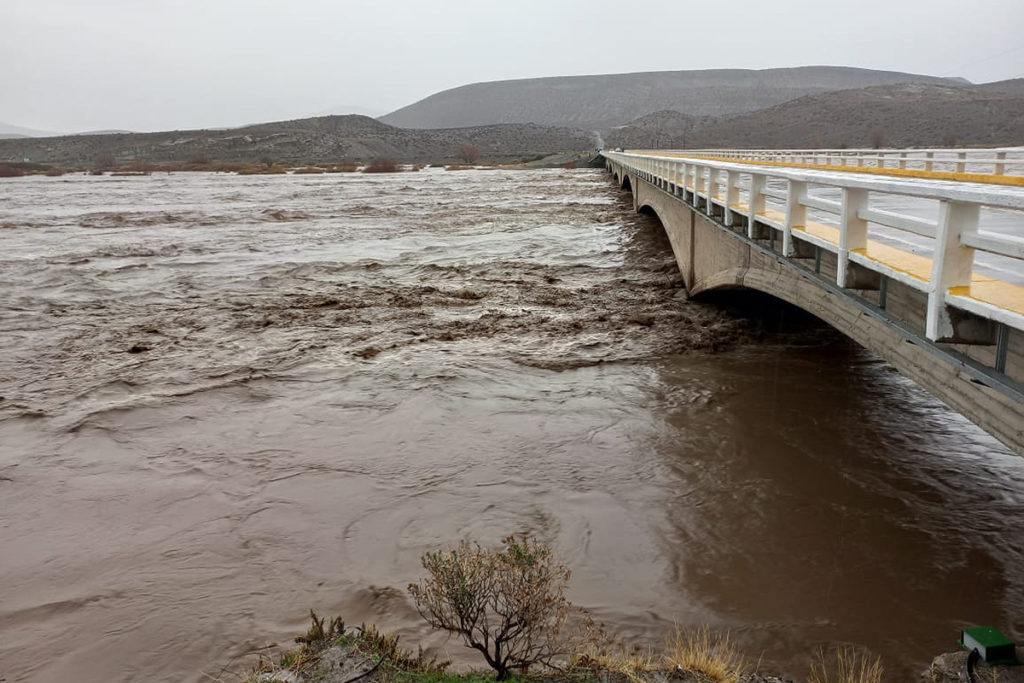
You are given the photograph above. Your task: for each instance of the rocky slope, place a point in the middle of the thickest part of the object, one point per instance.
(897, 116)
(325, 138)
(614, 99)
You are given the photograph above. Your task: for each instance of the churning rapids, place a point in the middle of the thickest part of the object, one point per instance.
(226, 400)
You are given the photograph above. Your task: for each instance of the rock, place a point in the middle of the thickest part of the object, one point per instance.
(950, 668)
(681, 295)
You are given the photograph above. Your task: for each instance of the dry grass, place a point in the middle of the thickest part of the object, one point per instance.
(594, 648)
(846, 665)
(263, 169)
(712, 657)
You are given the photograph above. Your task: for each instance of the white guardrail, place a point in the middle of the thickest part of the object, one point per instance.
(948, 279)
(1004, 161)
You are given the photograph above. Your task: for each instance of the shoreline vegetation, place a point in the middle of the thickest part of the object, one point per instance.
(268, 167)
(333, 652)
(508, 603)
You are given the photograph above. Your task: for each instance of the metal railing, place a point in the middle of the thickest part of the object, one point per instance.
(740, 189)
(1004, 162)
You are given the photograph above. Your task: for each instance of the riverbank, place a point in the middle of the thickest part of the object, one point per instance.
(335, 653)
(338, 654)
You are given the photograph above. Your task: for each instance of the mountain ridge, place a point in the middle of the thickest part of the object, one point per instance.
(603, 100)
(903, 115)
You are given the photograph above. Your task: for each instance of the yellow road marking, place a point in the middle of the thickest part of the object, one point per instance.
(990, 178)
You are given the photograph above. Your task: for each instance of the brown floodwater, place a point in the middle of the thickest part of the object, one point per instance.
(226, 400)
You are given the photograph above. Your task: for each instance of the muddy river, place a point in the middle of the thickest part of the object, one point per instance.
(226, 400)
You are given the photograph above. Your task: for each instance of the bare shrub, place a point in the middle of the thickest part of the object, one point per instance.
(143, 167)
(508, 603)
(382, 165)
(104, 161)
(7, 171)
(467, 153)
(713, 658)
(846, 665)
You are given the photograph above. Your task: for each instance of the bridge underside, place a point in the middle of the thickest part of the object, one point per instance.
(889, 320)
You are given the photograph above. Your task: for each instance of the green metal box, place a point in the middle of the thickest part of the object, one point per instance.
(990, 643)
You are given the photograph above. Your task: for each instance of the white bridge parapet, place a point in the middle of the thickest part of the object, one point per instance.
(745, 187)
(1004, 165)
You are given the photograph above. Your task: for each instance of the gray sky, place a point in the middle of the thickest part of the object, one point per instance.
(74, 65)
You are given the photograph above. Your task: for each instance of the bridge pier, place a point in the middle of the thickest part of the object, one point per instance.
(883, 315)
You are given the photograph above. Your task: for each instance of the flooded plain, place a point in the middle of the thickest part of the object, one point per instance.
(226, 400)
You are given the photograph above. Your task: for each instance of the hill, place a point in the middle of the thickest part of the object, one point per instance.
(897, 116)
(324, 138)
(609, 100)
(9, 130)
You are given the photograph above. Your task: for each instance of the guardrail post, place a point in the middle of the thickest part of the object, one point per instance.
(952, 264)
(1000, 168)
(961, 162)
(796, 214)
(928, 157)
(757, 201)
(698, 184)
(853, 230)
(712, 190)
(732, 195)
(903, 159)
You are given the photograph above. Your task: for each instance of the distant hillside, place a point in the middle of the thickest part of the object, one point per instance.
(1014, 85)
(898, 116)
(660, 130)
(325, 138)
(608, 100)
(9, 130)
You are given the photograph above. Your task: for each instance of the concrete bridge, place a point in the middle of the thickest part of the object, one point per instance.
(917, 255)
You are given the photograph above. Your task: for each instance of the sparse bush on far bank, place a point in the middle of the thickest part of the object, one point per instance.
(382, 165)
(468, 153)
(7, 171)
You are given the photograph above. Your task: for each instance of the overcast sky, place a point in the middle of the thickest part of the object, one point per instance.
(75, 65)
